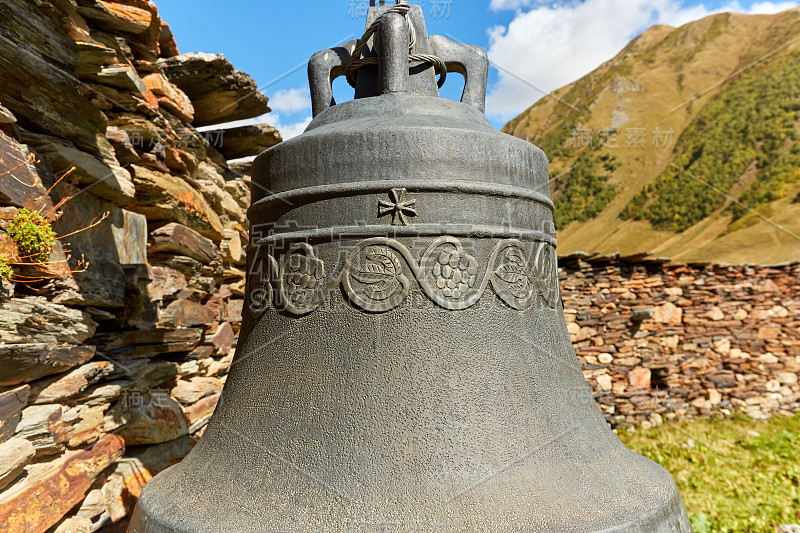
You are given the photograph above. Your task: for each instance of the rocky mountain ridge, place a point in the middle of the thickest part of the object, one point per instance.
(684, 144)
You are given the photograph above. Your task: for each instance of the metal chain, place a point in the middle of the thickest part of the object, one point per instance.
(356, 61)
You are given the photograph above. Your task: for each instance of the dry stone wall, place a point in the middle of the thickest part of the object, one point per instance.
(658, 341)
(114, 350)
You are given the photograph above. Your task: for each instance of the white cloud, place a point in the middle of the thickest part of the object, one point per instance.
(768, 8)
(291, 100)
(236, 123)
(292, 129)
(284, 103)
(287, 130)
(549, 46)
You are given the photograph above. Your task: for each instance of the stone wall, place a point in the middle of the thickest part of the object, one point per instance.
(114, 351)
(658, 341)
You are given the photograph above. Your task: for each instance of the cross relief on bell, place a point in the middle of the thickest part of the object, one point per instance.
(398, 207)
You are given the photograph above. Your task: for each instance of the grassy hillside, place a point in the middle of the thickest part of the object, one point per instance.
(684, 144)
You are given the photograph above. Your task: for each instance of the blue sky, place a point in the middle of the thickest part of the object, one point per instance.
(535, 47)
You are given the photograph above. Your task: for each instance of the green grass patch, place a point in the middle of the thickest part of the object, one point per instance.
(33, 235)
(5, 269)
(735, 474)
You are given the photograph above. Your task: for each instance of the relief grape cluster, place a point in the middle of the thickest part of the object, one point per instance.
(377, 276)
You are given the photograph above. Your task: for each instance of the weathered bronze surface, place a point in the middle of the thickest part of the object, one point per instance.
(404, 363)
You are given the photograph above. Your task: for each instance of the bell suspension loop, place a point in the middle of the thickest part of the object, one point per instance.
(357, 62)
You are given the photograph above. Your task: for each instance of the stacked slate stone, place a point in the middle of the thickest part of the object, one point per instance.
(661, 341)
(114, 352)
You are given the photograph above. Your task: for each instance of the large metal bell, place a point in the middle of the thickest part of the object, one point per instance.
(404, 363)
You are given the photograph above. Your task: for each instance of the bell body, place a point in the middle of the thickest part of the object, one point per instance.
(404, 363)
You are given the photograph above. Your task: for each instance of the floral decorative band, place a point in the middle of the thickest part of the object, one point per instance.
(377, 275)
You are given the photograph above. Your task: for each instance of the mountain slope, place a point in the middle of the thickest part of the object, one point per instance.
(684, 144)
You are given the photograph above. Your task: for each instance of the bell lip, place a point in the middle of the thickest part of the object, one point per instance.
(667, 515)
(400, 105)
